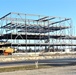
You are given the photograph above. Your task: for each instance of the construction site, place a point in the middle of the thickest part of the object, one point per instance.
(24, 33)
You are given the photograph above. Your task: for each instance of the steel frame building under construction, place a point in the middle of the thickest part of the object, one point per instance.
(35, 32)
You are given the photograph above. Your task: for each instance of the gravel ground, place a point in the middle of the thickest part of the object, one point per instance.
(67, 70)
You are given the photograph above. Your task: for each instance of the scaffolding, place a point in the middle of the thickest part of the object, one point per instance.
(31, 32)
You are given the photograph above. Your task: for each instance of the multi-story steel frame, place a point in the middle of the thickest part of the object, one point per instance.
(37, 32)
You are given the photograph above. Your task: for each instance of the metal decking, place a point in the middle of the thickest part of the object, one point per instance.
(33, 28)
(36, 44)
(34, 36)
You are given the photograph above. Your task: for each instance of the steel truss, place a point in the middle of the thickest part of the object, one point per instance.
(35, 32)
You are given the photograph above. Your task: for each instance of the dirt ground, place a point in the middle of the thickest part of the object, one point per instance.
(66, 70)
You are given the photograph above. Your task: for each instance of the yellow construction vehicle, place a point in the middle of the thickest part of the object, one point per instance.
(8, 51)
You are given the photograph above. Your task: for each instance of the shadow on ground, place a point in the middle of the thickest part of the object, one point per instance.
(61, 64)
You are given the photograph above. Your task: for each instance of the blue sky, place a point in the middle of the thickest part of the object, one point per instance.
(62, 8)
